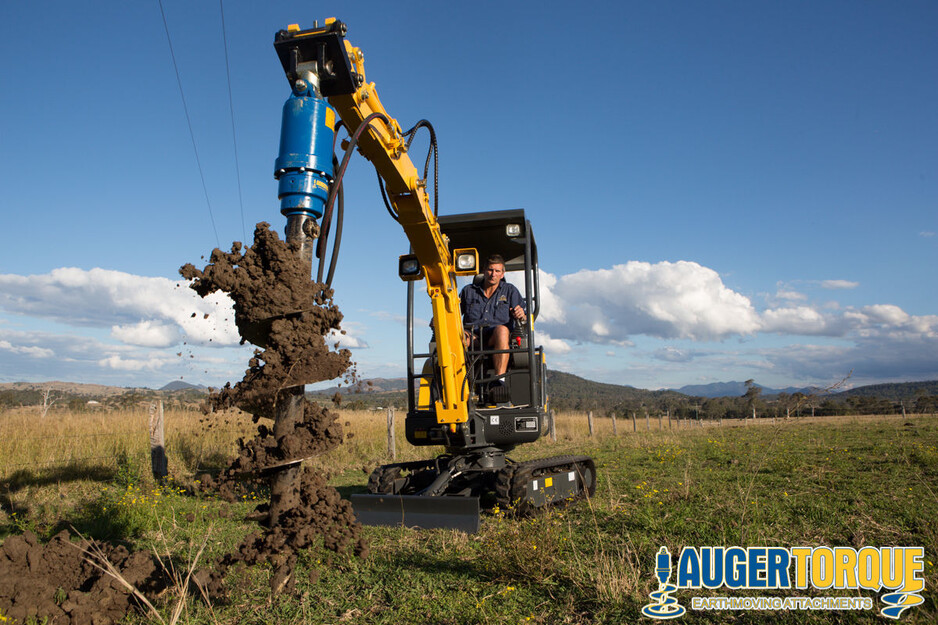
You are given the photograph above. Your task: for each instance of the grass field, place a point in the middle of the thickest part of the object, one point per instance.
(833, 481)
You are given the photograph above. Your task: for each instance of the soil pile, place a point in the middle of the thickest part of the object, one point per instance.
(280, 309)
(56, 581)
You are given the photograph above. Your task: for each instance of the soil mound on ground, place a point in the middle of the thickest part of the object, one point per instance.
(56, 581)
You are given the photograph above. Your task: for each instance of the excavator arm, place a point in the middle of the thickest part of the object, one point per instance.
(322, 66)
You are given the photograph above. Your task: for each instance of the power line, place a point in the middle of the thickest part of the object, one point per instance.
(234, 139)
(189, 123)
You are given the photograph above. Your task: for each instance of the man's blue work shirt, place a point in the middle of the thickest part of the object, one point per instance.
(477, 310)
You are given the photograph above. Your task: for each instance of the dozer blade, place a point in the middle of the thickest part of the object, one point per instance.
(460, 513)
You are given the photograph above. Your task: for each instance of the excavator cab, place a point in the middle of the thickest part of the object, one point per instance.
(501, 415)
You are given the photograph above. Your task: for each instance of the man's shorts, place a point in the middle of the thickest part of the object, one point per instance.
(487, 332)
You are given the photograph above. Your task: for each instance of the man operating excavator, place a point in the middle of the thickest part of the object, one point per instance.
(490, 310)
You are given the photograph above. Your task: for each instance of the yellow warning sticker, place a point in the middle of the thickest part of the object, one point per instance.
(330, 118)
(548, 481)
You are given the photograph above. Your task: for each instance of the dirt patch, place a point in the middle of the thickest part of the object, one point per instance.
(56, 581)
(293, 319)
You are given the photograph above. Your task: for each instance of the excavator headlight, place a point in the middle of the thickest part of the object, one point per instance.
(513, 231)
(466, 261)
(408, 268)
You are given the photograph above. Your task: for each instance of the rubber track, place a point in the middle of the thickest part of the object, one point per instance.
(511, 482)
(381, 480)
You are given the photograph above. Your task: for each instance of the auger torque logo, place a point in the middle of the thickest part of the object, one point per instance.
(895, 569)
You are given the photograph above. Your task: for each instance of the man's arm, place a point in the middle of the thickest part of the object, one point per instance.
(516, 304)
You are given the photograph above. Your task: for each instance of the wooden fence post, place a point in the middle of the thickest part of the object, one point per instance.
(615, 429)
(392, 444)
(589, 418)
(634, 424)
(158, 462)
(552, 425)
(647, 425)
(660, 427)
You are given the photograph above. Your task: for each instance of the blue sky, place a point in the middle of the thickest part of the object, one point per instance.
(720, 191)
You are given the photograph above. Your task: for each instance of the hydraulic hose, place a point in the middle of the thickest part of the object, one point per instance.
(337, 241)
(434, 151)
(334, 190)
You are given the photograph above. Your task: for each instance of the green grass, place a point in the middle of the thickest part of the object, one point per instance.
(835, 482)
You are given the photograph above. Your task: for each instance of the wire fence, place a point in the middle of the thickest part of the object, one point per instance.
(133, 439)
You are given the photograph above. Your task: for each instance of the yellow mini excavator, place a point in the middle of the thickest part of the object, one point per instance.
(452, 401)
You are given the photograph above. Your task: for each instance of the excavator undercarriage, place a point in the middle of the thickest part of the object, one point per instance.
(449, 491)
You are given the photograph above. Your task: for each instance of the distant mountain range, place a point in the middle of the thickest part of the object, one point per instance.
(567, 383)
(570, 392)
(737, 389)
(179, 385)
(567, 392)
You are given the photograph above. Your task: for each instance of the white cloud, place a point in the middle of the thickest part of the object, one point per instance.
(140, 310)
(551, 308)
(152, 362)
(122, 327)
(665, 300)
(344, 341)
(790, 295)
(39, 355)
(552, 346)
(673, 354)
(795, 320)
(27, 350)
(147, 334)
(838, 284)
(926, 233)
(867, 360)
(884, 314)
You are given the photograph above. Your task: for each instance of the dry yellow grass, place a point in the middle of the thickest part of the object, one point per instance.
(197, 443)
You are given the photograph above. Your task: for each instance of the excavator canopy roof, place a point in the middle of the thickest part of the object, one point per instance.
(488, 233)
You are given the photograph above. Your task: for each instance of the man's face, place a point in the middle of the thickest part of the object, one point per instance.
(494, 274)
